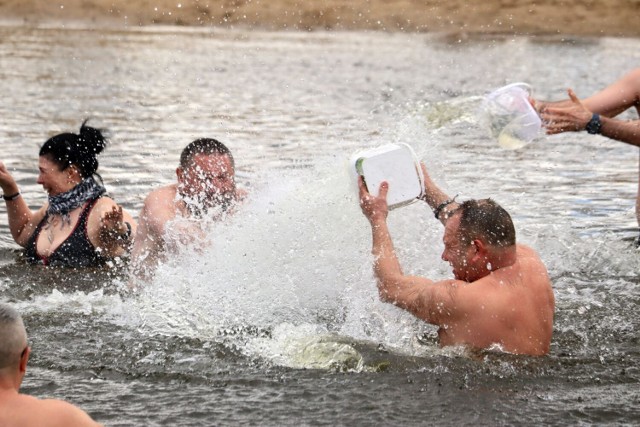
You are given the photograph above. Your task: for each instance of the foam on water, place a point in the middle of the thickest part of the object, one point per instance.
(84, 303)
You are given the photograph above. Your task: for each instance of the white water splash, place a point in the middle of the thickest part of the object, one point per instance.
(294, 260)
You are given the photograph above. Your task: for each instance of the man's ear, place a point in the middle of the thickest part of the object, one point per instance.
(24, 358)
(179, 174)
(481, 249)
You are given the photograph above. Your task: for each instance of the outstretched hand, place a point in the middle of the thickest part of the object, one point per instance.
(112, 226)
(573, 118)
(7, 183)
(374, 208)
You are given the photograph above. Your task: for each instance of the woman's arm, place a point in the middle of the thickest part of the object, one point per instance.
(22, 221)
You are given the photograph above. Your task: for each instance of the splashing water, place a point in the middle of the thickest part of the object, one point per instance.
(295, 257)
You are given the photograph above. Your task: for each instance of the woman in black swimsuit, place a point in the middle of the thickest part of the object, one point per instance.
(79, 226)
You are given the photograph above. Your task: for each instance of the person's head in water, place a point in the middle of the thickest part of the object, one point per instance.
(479, 237)
(14, 350)
(68, 158)
(206, 174)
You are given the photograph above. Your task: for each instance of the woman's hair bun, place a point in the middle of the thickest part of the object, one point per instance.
(91, 139)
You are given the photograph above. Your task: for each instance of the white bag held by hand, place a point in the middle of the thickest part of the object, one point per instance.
(510, 117)
(396, 164)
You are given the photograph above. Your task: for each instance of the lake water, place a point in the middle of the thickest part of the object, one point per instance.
(275, 319)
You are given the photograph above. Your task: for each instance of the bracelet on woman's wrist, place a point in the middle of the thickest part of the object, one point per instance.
(11, 197)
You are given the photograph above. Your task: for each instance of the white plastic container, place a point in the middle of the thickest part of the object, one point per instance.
(510, 117)
(395, 163)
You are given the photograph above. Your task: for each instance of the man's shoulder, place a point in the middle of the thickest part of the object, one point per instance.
(164, 191)
(159, 207)
(161, 197)
(525, 252)
(48, 412)
(529, 270)
(65, 413)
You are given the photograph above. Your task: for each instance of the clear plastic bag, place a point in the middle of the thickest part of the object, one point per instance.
(510, 117)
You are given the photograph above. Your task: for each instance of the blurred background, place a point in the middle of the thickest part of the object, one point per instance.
(577, 17)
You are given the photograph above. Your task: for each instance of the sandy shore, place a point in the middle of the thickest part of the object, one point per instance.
(570, 17)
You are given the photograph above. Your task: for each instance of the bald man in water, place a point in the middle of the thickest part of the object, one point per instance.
(18, 409)
(501, 295)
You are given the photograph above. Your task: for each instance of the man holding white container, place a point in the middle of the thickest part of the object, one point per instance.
(501, 297)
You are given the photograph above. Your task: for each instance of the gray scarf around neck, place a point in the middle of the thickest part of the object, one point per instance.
(63, 203)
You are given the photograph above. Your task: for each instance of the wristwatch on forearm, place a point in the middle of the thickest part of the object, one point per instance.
(595, 125)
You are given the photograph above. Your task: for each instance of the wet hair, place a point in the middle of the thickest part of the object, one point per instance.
(204, 146)
(79, 150)
(13, 336)
(487, 220)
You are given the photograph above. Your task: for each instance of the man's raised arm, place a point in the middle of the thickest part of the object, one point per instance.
(420, 296)
(440, 203)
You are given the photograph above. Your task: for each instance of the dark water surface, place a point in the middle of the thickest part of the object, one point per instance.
(275, 320)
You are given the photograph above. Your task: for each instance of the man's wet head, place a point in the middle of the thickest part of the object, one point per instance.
(206, 174)
(14, 351)
(479, 238)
